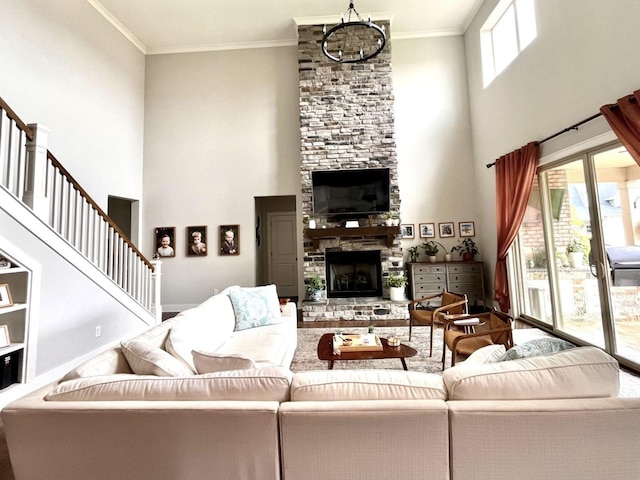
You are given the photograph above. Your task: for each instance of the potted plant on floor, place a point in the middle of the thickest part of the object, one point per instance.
(315, 286)
(431, 249)
(575, 252)
(396, 284)
(467, 249)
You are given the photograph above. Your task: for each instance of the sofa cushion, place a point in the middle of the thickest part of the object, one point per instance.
(145, 359)
(331, 385)
(203, 328)
(255, 306)
(109, 362)
(206, 362)
(537, 348)
(584, 372)
(488, 354)
(254, 385)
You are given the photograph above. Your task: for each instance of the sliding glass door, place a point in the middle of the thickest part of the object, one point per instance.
(582, 213)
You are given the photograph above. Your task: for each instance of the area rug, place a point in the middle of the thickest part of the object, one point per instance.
(306, 356)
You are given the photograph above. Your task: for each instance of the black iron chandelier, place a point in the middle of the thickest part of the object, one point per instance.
(351, 41)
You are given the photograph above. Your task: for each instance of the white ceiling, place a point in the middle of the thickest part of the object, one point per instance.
(171, 26)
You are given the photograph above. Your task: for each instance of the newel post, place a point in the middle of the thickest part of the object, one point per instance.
(156, 284)
(35, 191)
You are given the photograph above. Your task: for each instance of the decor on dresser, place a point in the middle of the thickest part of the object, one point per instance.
(467, 229)
(314, 286)
(5, 341)
(446, 229)
(406, 230)
(229, 239)
(413, 253)
(197, 241)
(165, 242)
(467, 249)
(5, 295)
(345, 42)
(396, 284)
(427, 230)
(431, 249)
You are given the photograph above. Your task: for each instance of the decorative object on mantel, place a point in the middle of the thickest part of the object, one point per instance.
(5, 295)
(388, 219)
(315, 286)
(467, 249)
(396, 284)
(427, 230)
(345, 43)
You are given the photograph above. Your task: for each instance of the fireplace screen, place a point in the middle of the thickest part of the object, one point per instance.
(353, 274)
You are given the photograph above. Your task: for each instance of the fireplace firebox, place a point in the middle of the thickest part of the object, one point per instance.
(353, 274)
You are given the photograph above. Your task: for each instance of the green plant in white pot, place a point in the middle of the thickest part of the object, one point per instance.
(575, 252)
(431, 249)
(315, 286)
(396, 284)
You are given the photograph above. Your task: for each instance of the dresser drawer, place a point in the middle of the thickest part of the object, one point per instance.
(464, 269)
(424, 289)
(468, 288)
(426, 269)
(465, 277)
(430, 278)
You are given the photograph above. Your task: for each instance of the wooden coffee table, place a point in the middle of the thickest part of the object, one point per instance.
(325, 352)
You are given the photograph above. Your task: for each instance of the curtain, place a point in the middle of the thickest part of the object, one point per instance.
(624, 119)
(515, 173)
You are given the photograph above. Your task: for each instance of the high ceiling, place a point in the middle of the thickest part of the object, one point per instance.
(170, 26)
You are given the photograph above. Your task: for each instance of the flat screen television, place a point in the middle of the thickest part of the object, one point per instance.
(354, 192)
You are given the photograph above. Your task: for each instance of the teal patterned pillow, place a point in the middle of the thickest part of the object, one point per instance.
(255, 306)
(537, 348)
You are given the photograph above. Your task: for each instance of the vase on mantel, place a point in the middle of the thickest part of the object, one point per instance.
(312, 223)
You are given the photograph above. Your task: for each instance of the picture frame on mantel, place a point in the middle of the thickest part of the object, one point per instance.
(427, 230)
(446, 229)
(467, 229)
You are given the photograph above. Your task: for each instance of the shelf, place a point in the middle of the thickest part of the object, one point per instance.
(14, 347)
(316, 234)
(13, 308)
(13, 269)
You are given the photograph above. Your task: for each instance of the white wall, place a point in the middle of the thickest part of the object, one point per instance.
(220, 129)
(587, 54)
(433, 135)
(64, 66)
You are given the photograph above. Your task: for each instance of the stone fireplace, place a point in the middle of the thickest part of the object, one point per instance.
(347, 122)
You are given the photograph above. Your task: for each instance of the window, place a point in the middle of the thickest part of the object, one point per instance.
(508, 30)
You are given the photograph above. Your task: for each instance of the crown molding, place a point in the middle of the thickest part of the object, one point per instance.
(118, 26)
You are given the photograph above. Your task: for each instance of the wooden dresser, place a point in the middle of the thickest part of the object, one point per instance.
(458, 277)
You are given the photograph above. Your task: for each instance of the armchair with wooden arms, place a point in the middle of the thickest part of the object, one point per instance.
(421, 314)
(463, 337)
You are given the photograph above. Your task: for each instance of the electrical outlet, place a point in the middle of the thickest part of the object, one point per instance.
(98, 331)
(215, 291)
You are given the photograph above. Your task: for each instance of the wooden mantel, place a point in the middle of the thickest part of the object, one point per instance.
(316, 234)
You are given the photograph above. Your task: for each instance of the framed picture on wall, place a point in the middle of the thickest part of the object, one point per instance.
(427, 230)
(165, 239)
(406, 230)
(467, 229)
(446, 229)
(197, 241)
(5, 295)
(229, 239)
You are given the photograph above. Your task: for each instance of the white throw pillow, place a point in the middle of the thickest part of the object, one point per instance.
(255, 306)
(145, 359)
(488, 354)
(211, 362)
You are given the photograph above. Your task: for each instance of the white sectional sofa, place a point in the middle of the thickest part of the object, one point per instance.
(548, 417)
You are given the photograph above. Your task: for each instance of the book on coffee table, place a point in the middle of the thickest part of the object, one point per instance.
(359, 343)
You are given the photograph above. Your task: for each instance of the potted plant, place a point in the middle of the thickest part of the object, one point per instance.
(467, 249)
(315, 286)
(388, 219)
(575, 252)
(431, 249)
(413, 253)
(396, 284)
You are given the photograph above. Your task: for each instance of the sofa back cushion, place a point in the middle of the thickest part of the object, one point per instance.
(270, 383)
(585, 372)
(331, 385)
(146, 359)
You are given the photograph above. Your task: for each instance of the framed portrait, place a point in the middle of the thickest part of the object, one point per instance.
(406, 230)
(5, 295)
(427, 230)
(5, 341)
(446, 229)
(229, 240)
(165, 245)
(197, 241)
(467, 229)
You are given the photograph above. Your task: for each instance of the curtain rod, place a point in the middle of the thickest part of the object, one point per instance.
(568, 129)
